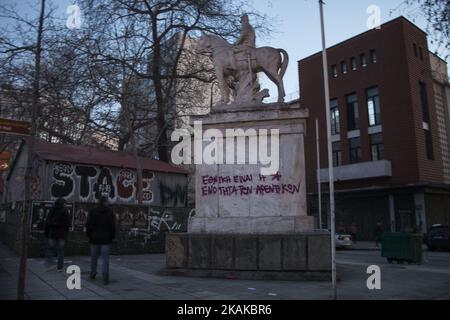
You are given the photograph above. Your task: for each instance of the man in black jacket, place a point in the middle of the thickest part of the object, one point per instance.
(101, 230)
(57, 225)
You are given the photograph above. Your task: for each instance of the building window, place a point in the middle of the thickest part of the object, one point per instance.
(344, 67)
(426, 120)
(429, 144)
(335, 123)
(415, 49)
(363, 60)
(334, 71)
(373, 55)
(421, 53)
(352, 112)
(373, 107)
(337, 154)
(377, 146)
(355, 150)
(353, 63)
(424, 102)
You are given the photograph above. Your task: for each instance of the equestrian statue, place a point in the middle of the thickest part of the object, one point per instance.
(237, 66)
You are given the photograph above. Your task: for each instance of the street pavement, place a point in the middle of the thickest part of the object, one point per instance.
(140, 277)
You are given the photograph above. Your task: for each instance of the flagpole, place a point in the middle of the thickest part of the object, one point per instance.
(330, 154)
(319, 187)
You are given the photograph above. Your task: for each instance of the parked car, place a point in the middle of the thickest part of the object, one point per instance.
(438, 237)
(343, 241)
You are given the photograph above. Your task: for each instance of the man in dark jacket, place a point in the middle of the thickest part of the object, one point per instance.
(57, 225)
(379, 230)
(101, 230)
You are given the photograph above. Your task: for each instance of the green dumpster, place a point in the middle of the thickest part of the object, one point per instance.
(402, 247)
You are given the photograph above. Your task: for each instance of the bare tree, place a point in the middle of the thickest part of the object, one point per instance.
(35, 79)
(437, 14)
(30, 50)
(157, 33)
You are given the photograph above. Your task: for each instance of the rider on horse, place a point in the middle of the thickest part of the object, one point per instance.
(244, 47)
(247, 40)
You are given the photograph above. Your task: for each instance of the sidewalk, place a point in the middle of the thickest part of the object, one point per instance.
(366, 245)
(140, 278)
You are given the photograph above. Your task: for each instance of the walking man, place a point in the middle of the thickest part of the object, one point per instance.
(353, 231)
(57, 225)
(379, 230)
(101, 230)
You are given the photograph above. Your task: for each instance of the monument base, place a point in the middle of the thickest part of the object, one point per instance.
(300, 256)
(252, 225)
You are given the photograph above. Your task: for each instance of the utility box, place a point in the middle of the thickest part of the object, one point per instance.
(402, 247)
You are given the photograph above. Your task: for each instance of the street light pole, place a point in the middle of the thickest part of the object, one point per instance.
(319, 188)
(330, 154)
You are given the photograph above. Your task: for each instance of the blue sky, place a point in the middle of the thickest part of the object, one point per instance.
(298, 30)
(297, 27)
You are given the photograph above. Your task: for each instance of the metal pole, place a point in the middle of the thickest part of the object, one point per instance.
(330, 155)
(26, 210)
(319, 186)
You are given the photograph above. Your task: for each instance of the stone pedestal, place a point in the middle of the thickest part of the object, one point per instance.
(275, 204)
(303, 256)
(248, 222)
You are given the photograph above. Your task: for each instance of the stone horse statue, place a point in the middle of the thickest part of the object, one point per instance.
(228, 65)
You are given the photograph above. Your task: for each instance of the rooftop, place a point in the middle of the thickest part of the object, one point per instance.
(396, 20)
(93, 156)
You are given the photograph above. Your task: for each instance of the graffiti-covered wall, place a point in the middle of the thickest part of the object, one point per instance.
(83, 183)
(141, 228)
(86, 184)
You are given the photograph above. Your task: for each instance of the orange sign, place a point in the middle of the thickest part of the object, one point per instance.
(15, 127)
(4, 165)
(5, 157)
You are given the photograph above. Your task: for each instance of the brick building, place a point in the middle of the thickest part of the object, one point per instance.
(390, 129)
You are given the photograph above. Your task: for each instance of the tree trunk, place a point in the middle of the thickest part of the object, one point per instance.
(139, 175)
(28, 174)
(161, 108)
(126, 95)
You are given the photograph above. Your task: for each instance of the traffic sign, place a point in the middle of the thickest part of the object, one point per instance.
(15, 127)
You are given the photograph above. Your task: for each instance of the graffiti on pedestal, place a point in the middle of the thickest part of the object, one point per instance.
(246, 185)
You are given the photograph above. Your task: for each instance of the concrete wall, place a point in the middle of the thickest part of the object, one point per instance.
(275, 256)
(140, 229)
(238, 198)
